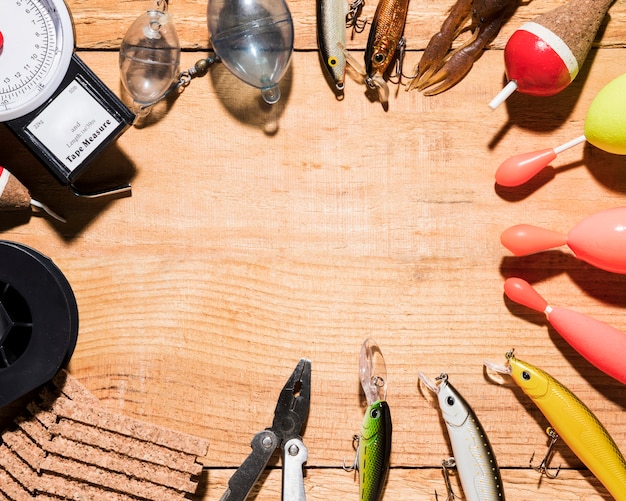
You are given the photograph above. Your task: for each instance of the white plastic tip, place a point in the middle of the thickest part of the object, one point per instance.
(570, 144)
(47, 210)
(430, 384)
(497, 368)
(502, 96)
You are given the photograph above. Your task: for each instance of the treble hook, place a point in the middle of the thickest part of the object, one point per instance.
(398, 74)
(447, 464)
(355, 465)
(543, 467)
(352, 18)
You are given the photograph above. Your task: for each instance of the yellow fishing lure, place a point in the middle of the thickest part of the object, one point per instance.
(573, 421)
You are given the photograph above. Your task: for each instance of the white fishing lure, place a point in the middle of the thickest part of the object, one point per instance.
(475, 461)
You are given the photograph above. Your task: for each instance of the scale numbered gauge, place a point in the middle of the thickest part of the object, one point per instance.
(48, 97)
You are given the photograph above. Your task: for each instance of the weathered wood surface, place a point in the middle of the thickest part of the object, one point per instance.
(102, 24)
(257, 235)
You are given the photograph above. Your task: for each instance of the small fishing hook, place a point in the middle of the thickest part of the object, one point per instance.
(352, 18)
(543, 467)
(162, 5)
(398, 74)
(355, 446)
(447, 464)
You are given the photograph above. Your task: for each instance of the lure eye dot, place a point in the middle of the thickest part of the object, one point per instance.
(526, 376)
(332, 61)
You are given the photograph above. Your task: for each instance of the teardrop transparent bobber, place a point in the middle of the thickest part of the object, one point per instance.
(150, 57)
(254, 40)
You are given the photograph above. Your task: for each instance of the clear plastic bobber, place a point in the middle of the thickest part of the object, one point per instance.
(254, 40)
(150, 57)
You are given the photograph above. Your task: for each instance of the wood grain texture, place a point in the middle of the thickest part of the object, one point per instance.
(102, 24)
(257, 235)
(418, 484)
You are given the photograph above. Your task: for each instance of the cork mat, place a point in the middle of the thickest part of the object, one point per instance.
(67, 446)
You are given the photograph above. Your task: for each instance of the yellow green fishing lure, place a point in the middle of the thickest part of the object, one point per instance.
(374, 450)
(573, 421)
(374, 442)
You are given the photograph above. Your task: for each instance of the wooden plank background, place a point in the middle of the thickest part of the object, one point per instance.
(257, 235)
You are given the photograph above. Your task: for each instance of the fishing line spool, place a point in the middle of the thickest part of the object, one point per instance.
(38, 320)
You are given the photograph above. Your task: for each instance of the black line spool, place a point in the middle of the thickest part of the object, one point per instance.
(38, 320)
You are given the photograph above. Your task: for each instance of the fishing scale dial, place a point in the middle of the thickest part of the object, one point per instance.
(37, 46)
(48, 97)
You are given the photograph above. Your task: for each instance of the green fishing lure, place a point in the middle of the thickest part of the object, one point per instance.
(374, 442)
(374, 450)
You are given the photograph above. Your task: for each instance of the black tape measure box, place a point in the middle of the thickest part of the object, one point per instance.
(97, 118)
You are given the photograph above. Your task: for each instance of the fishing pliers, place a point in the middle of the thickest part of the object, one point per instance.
(290, 416)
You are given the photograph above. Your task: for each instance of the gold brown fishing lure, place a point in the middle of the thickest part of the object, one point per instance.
(384, 41)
